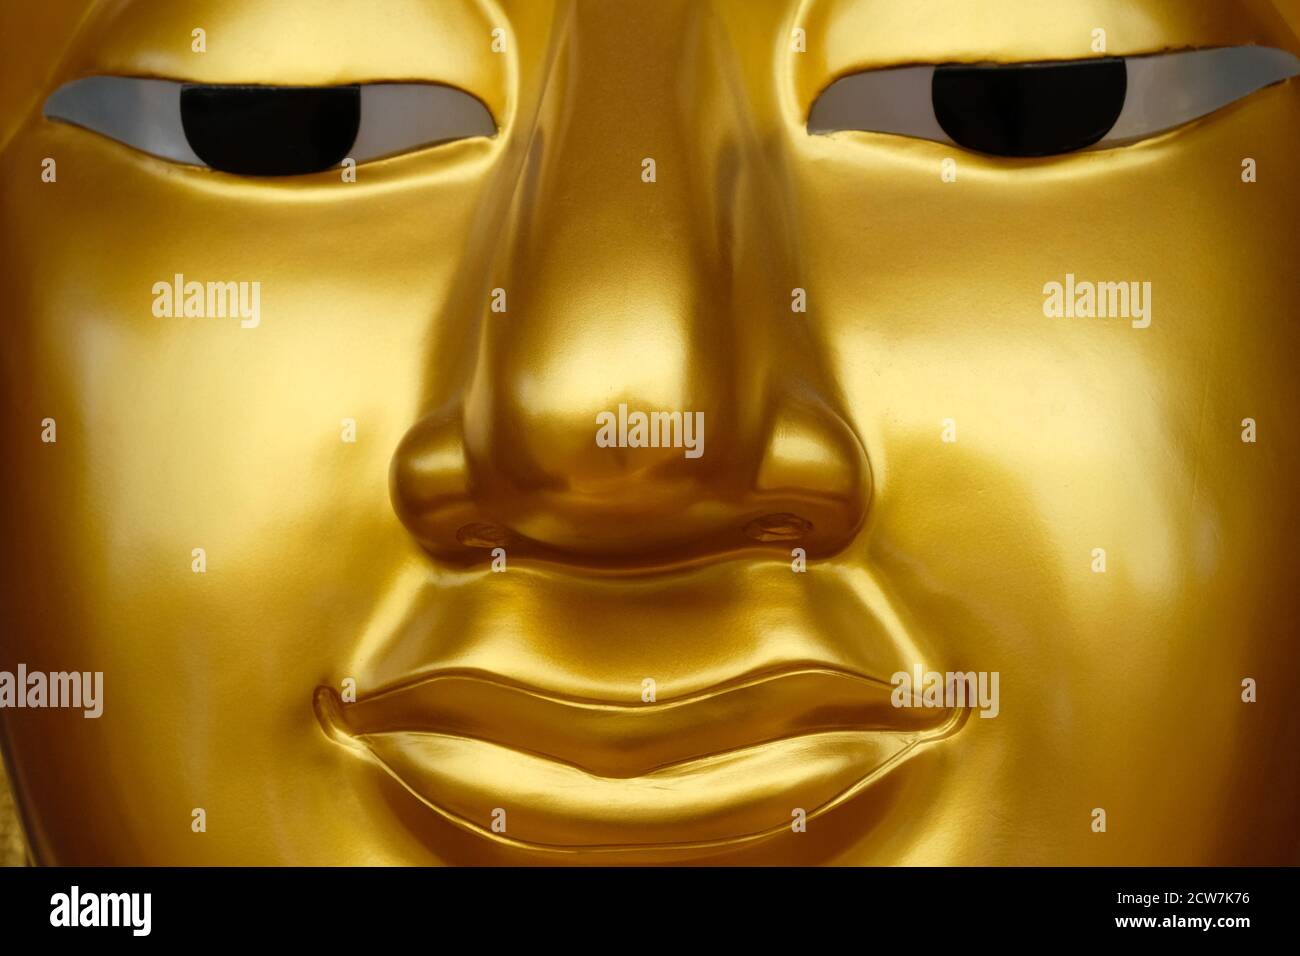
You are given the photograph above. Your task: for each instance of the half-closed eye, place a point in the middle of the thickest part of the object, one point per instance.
(269, 130)
(1042, 109)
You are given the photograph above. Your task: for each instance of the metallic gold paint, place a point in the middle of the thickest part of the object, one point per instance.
(329, 560)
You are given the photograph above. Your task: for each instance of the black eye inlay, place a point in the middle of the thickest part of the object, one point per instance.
(1031, 109)
(270, 130)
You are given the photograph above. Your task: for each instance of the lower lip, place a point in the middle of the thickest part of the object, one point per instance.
(731, 798)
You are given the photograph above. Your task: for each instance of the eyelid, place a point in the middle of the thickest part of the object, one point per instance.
(145, 114)
(1165, 91)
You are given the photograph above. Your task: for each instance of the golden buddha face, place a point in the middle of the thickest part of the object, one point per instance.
(692, 430)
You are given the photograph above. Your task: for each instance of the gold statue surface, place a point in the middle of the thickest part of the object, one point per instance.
(683, 431)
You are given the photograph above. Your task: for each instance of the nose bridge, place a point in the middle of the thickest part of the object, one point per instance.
(607, 281)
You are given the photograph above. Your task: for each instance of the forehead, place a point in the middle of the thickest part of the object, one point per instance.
(890, 29)
(341, 38)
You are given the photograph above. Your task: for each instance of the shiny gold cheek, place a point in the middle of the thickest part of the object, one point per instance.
(177, 434)
(198, 416)
(1071, 432)
(202, 418)
(934, 291)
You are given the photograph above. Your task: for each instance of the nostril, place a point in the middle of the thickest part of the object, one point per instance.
(482, 536)
(778, 527)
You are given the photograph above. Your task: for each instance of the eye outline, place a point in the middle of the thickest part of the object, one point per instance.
(1214, 77)
(144, 114)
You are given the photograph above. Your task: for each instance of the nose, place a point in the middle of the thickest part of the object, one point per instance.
(642, 392)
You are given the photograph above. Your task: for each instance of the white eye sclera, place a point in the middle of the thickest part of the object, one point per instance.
(1040, 109)
(269, 130)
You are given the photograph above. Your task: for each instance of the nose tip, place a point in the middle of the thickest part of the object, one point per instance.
(629, 507)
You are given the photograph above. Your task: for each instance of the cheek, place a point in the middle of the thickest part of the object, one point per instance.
(194, 531)
(1069, 436)
(180, 431)
(933, 292)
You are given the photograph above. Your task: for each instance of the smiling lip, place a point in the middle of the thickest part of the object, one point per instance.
(720, 766)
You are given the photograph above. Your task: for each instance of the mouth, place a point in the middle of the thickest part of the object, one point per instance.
(733, 763)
